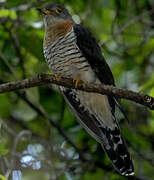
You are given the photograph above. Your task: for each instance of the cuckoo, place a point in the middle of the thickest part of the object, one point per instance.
(72, 51)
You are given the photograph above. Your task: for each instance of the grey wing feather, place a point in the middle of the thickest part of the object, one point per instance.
(91, 50)
(88, 121)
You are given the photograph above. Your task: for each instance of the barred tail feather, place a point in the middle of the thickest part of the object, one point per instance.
(117, 151)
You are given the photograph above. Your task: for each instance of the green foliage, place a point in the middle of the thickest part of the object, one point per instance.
(3, 149)
(2, 177)
(5, 106)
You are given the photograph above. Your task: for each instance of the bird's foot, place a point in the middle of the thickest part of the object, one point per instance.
(58, 76)
(77, 81)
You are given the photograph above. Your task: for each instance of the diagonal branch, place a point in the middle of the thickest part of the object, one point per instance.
(45, 79)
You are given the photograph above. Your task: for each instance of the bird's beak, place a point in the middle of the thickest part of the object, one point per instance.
(39, 9)
(44, 11)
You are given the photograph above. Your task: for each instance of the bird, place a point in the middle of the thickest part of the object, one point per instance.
(72, 51)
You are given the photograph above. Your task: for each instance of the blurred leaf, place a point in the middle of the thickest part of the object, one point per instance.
(3, 149)
(2, 177)
(148, 84)
(23, 111)
(5, 105)
(8, 13)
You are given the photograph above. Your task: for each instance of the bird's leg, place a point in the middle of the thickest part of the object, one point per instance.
(58, 76)
(77, 81)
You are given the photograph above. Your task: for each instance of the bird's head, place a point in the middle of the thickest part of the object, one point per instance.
(54, 14)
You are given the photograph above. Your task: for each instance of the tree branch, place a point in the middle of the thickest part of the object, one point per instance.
(45, 79)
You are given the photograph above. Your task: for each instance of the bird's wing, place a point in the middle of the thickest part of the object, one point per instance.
(112, 140)
(85, 117)
(92, 52)
(106, 133)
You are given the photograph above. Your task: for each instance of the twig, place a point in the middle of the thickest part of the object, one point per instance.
(54, 124)
(132, 21)
(23, 7)
(16, 44)
(6, 62)
(45, 79)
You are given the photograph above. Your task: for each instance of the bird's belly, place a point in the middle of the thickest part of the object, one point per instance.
(73, 66)
(76, 66)
(81, 71)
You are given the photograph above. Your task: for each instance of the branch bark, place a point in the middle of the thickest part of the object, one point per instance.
(45, 79)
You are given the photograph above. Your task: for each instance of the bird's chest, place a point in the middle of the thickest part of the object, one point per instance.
(64, 57)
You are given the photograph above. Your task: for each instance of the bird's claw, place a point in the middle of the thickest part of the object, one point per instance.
(77, 81)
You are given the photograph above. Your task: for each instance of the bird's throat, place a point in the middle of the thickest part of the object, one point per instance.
(53, 32)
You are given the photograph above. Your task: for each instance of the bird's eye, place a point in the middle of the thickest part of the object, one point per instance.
(59, 11)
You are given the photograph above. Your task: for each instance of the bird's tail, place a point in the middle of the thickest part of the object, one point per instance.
(116, 149)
